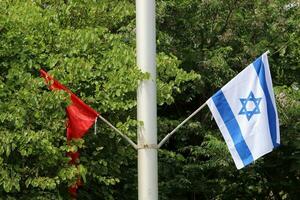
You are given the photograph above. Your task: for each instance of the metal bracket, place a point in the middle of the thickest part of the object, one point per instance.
(147, 146)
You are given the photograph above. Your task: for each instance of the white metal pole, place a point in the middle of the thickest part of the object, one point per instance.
(146, 101)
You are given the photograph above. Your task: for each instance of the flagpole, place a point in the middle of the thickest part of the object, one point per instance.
(146, 101)
(180, 125)
(118, 131)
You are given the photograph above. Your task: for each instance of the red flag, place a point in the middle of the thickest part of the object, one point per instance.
(80, 116)
(80, 119)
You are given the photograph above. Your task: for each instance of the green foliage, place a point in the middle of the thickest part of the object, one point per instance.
(89, 46)
(218, 39)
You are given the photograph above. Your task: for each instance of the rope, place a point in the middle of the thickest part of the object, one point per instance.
(95, 126)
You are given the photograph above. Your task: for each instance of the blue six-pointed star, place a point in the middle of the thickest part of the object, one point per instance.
(255, 110)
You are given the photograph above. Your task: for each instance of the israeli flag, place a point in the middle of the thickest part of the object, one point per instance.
(246, 114)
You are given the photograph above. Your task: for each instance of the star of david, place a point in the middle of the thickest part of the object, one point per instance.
(248, 104)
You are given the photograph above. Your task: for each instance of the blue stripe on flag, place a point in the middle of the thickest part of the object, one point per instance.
(260, 70)
(232, 127)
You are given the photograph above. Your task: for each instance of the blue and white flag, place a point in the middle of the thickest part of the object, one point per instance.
(246, 114)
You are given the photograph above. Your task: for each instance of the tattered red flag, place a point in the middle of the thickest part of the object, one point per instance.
(80, 116)
(80, 119)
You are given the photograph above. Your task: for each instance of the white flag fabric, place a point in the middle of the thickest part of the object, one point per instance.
(246, 114)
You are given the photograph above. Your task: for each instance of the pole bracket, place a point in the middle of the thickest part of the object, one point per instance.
(147, 146)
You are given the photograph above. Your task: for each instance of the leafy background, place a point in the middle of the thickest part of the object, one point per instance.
(90, 47)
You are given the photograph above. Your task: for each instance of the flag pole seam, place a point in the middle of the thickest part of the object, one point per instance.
(118, 131)
(181, 124)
